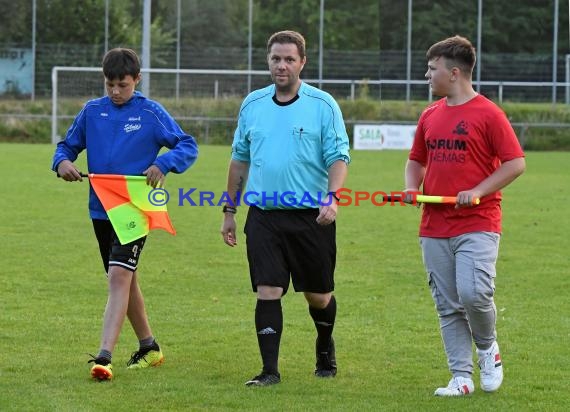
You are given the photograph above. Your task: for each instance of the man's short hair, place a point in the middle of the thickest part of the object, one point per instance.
(457, 50)
(287, 37)
(121, 62)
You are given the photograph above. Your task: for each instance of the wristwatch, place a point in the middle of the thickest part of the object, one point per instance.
(333, 194)
(229, 209)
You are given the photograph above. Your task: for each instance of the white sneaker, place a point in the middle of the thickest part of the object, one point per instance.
(458, 386)
(491, 368)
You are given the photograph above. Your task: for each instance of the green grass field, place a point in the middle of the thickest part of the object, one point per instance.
(390, 356)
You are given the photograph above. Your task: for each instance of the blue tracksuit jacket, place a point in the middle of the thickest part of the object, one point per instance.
(125, 140)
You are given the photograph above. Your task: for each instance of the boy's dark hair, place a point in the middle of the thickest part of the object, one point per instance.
(121, 62)
(457, 50)
(287, 37)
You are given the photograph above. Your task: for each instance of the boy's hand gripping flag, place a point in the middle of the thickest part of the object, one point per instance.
(126, 201)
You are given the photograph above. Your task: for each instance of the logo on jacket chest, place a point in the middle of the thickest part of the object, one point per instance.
(132, 127)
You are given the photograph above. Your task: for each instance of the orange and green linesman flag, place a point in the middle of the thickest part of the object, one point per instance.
(126, 201)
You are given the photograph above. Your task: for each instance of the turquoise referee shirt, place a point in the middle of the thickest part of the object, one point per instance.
(289, 147)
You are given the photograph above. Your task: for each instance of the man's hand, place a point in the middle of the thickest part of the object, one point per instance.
(327, 214)
(68, 172)
(228, 229)
(410, 195)
(154, 176)
(465, 198)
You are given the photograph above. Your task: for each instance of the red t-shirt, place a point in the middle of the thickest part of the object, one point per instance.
(460, 146)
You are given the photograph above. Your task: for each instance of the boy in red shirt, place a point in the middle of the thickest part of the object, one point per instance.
(464, 146)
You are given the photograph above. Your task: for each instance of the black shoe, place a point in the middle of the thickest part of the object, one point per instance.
(264, 379)
(98, 360)
(145, 357)
(326, 362)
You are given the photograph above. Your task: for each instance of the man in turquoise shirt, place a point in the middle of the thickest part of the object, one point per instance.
(292, 149)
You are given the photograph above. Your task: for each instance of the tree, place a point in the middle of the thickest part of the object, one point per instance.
(522, 26)
(434, 21)
(126, 28)
(16, 22)
(351, 25)
(207, 23)
(61, 22)
(507, 26)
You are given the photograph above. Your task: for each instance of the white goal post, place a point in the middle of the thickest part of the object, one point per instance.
(76, 85)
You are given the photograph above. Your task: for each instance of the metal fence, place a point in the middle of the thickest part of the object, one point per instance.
(70, 83)
(500, 73)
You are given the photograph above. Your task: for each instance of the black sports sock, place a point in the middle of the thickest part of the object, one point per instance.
(269, 325)
(324, 322)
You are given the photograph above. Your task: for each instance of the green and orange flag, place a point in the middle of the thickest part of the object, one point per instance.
(126, 201)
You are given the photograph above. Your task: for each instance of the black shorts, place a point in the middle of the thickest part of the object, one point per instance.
(290, 244)
(112, 252)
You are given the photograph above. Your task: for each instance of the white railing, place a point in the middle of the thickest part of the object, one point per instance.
(353, 84)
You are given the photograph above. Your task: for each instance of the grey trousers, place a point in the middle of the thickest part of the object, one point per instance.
(461, 272)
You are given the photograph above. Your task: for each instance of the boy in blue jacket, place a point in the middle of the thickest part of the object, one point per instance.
(123, 133)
